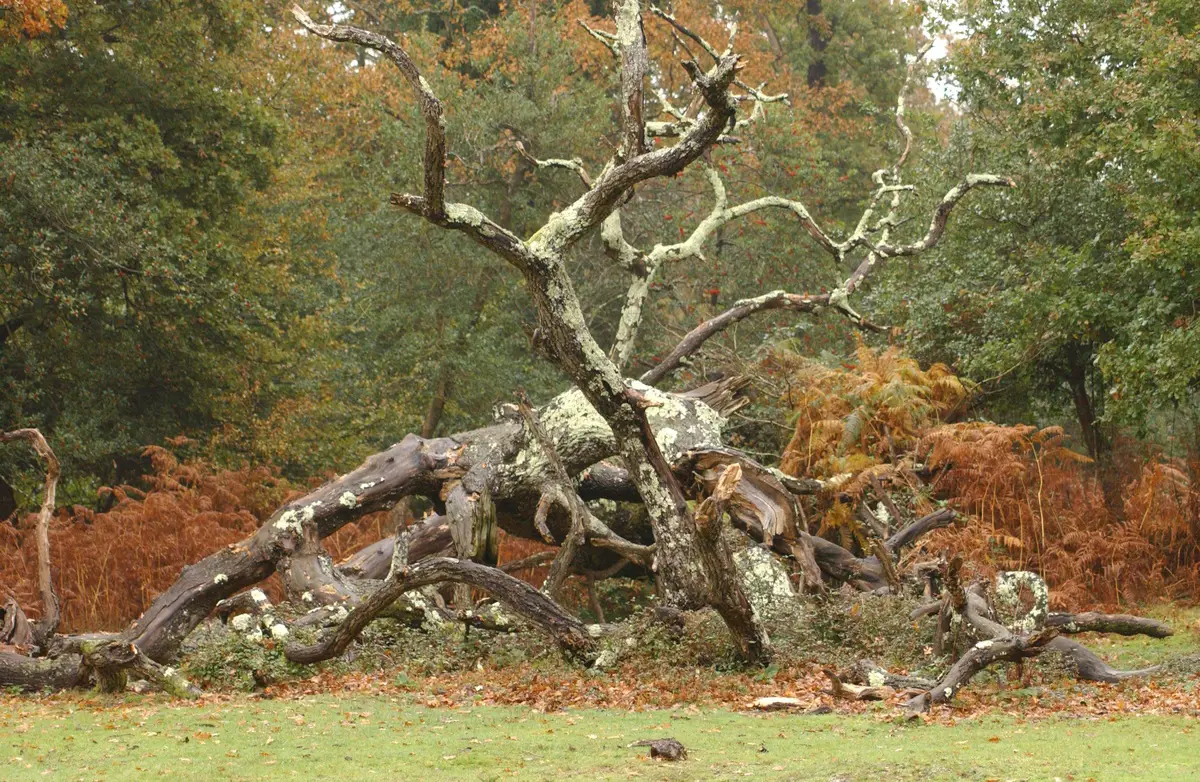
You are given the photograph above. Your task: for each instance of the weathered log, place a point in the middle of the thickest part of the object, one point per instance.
(867, 672)
(429, 537)
(42, 673)
(1121, 624)
(867, 573)
(15, 628)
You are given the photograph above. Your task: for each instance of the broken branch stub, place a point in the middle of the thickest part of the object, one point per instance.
(45, 627)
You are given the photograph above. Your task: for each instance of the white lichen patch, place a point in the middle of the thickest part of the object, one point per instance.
(606, 659)
(765, 579)
(220, 578)
(294, 520)
(984, 645)
(241, 622)
(259, 597)
(666, 442)
(1010, 586)
(876, 679)
(279, 631)
(602, 506)
(348, 499)
(367, 485)
(462, 213)
(307, 597)
(949, 691)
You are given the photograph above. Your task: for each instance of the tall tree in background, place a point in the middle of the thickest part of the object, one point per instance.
(1078, 294)
(141, 288)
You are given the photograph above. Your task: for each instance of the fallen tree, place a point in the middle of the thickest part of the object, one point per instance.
(533, 472)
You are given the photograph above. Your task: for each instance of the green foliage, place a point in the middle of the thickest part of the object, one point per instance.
(1080, 287)
(140, 290)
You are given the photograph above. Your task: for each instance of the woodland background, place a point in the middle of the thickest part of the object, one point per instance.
(206, 303)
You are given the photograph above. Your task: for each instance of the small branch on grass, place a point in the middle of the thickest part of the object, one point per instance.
(978, 657)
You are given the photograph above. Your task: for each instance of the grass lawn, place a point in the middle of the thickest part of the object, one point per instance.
(463, 726)
(385, 737)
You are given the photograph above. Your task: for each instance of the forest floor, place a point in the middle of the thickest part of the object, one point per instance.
(538, 721)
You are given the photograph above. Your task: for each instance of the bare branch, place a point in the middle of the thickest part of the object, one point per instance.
(608, 39)
(741, 310)
(905, 132)
(568, 226)
(722, 214)
(476, 225)
(435, 124)
(523, 599)
(574, 164)
(48, 624)
(670, 19)
(941, 214)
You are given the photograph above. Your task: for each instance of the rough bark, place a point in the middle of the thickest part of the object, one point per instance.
(1121, 624)
(728, 596)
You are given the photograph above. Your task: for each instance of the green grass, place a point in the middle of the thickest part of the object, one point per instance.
(380, 737)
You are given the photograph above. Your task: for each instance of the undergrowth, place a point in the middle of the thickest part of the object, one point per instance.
(1030, 500)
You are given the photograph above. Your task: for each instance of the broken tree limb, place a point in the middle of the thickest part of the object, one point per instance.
(1090, 667)
(760, 506)
(910, 533)
(1121, 624)
(977, 658)
(856, 692)
(519, 597)
(45, 627)
(729, 597)
(1026, 636)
